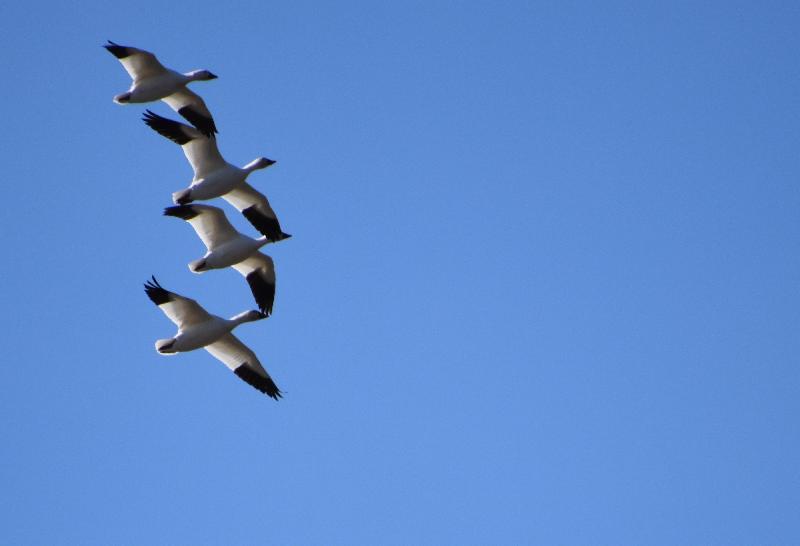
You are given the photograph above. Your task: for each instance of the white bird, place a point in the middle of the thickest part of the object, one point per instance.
(152, 81)
(197, 328)
(215, 177)
(229, 248)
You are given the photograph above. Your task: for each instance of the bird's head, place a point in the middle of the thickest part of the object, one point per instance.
(260, 163)
(263, 163)
(202, 75)
(253, 315)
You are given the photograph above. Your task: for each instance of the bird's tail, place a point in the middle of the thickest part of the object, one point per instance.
(182, 197)
(164, 346)
(198, 266)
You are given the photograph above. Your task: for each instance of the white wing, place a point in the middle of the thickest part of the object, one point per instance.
(259, 270)
(139, 64)
(192, 107)
(256, 209)
(200, 150)
(180, 310)
(236, 356)
(208, 222)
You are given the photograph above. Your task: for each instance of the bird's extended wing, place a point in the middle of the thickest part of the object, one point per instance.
(200, 150)
(259, 270)
(139, 64)
(208, 222)
(236, 356)
(180, 310)
(193, 108)
(256, 209)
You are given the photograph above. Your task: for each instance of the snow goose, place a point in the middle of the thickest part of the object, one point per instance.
(215, 177)
(152, 81)
(197, 328)
(229, 248)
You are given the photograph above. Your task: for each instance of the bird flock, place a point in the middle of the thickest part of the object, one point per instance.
(213, 177)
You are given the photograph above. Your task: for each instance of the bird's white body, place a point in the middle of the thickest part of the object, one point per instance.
(154, 88)
(229, 253)
(216, 183)
(197, 336)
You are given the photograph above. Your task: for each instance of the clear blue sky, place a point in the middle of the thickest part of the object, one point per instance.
(542, 289)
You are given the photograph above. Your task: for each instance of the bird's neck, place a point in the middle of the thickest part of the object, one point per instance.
(253, 166)
(241, 318)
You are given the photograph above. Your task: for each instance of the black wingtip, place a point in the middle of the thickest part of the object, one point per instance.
(204, 124)
(258, 381)
(166, 127)
(150, 117)
(184, 212)
(263, 292)
(156, 292)
(266, 225)
(118, 51)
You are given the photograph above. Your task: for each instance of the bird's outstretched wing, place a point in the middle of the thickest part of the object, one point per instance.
(139, 64)
(208, 222)
(256, 209)
(259, 270)
(200, 150)
(193, 108)
(236, 356)
(180, 310)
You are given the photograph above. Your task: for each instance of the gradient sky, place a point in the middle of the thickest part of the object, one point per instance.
(542, 287)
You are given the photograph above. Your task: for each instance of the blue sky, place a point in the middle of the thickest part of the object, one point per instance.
(542, 287)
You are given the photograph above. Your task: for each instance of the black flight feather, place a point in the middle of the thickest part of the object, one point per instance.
(269, 227)
(185, 212)
(169, 128)
(254, 379)
(263, 291)
(118, 51)
(156, 292)
(204, 124)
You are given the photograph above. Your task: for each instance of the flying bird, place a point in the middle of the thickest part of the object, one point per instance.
(197, 328)
(229, 248)
(215, 177)
(152, 81)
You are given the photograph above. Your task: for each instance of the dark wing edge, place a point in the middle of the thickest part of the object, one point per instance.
(263, 291)
(118, 51)
(184, 212)
(168, 128)
(269, 227)
(258, 381)
(204, 124)
(156, 292)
